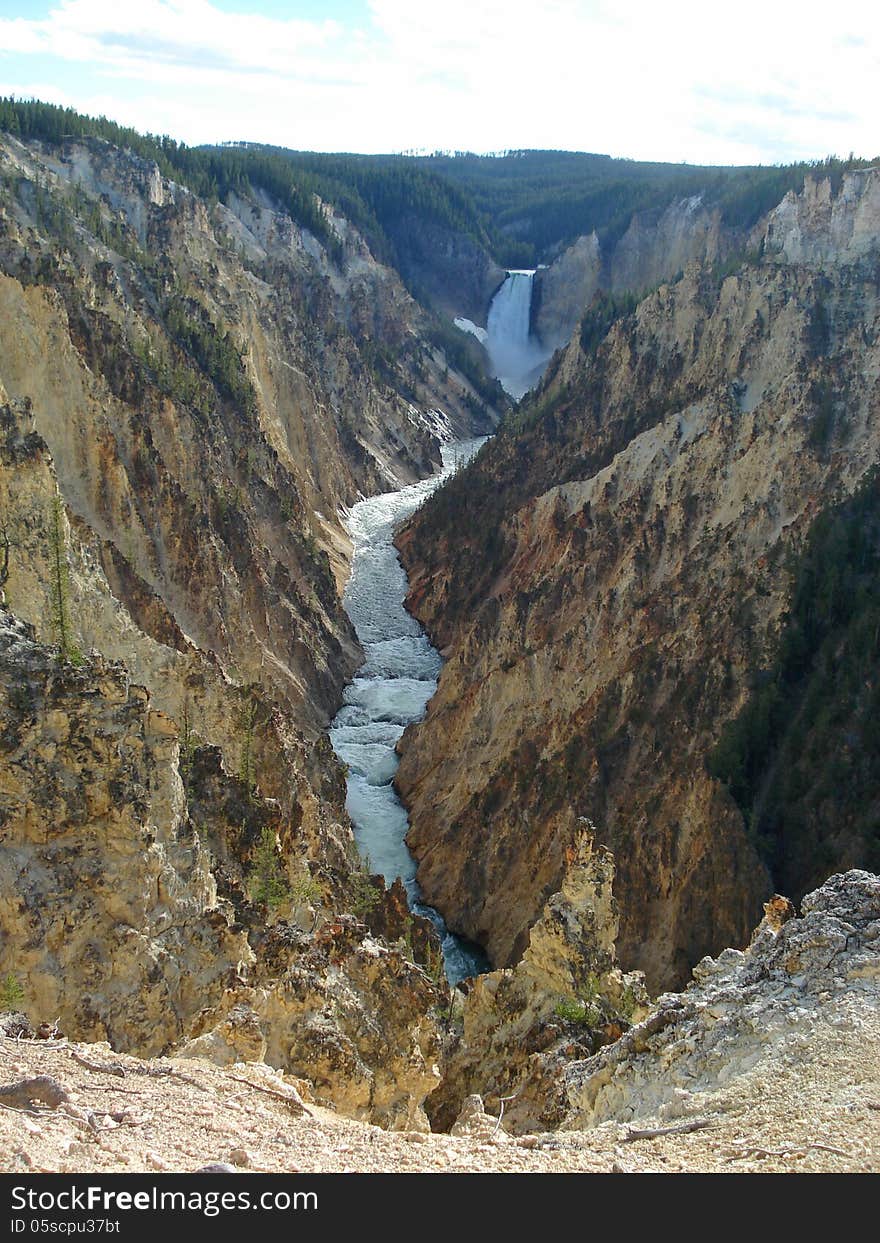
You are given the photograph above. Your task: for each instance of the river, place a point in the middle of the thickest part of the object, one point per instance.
(391, 689)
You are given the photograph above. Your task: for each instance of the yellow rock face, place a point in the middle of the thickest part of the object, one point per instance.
(193, 528)
(520, 1026)
(605, 583)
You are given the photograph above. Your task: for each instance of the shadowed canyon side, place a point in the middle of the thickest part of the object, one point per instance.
(655, 247)
(609, 576)
(536, 312)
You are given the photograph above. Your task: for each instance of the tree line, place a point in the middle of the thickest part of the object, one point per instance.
(520, 207)
(211, 173)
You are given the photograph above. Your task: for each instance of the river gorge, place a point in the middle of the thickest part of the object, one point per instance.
(391, 690)
(595, 701)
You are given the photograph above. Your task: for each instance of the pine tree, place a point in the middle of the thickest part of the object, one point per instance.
(68, 651)
(247, 722)
(11, 992)
(267, 883)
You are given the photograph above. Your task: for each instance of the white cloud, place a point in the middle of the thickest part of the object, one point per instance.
(182, 32)
(680, 80)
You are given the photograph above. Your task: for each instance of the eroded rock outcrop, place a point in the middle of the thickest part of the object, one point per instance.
(109, 909)
(800, 977)
(562, 291)
(824, 226)
(656, 246)
(352, 1016)
(127, 915)
(519, 1026)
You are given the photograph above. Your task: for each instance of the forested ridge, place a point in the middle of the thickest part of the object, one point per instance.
(380, 193)
(519, 207)
(211, 173)
(525, 205)
(532, 202)
(298, 187)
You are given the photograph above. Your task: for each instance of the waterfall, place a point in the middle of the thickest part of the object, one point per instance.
(517, 358)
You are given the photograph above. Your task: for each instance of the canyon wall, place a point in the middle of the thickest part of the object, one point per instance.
(189, 393)
(656, 246)
(609, 574)
(449, 269)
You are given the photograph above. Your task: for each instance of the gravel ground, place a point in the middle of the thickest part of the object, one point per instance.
(820, 1115)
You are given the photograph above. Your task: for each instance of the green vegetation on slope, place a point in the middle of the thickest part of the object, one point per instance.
(206, 352)
(603, 311)
(212, 173)
(802, 758)
(521, 207)
(216, 352)
(534, 202)
(380, 194)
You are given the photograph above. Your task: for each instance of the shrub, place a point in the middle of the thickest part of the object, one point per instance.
(305, 890)
(571, 1010)
(67, 649)
(365, 894)
(267, 883)
(587, 1008)
(11, 992)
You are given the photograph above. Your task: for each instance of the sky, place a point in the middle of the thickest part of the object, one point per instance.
(680, 80)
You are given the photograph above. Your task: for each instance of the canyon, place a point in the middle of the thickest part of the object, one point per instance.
(214, 415)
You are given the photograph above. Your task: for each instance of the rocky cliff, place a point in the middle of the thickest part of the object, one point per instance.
(189, 392)
(655, 247)
(562, 291)
(449, 269)
(611, 572)
(801, 983)
(127, 913)
(766, 1063)
(518, 1028)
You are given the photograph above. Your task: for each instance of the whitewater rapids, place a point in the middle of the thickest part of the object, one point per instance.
(391, 690)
